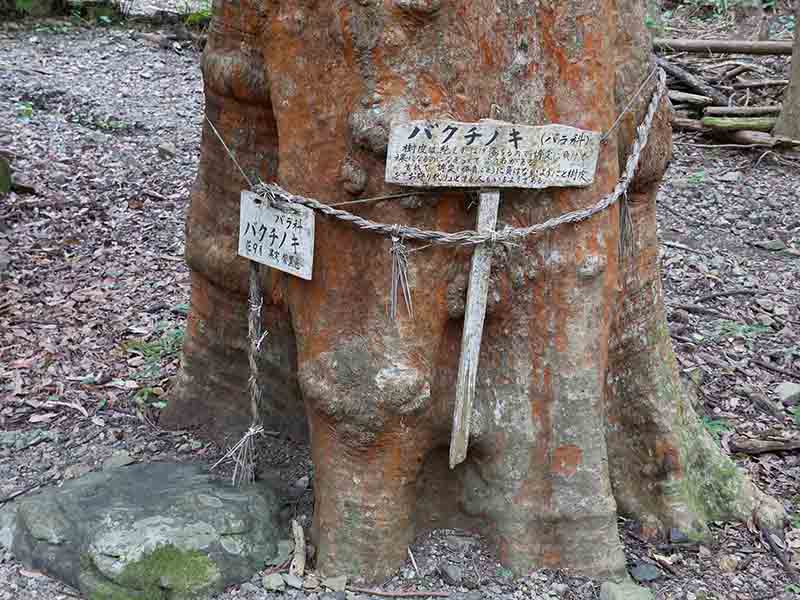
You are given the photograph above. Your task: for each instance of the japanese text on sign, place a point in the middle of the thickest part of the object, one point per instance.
(490, 154)
(277, 234)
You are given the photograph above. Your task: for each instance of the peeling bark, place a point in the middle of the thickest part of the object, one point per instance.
(578, 412)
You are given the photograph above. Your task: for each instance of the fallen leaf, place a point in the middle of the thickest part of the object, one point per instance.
(42, 417)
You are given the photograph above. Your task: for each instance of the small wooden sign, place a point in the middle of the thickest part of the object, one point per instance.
(490, 154)
(277, 234)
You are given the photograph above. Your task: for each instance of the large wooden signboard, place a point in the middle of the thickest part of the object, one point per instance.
(490, 154)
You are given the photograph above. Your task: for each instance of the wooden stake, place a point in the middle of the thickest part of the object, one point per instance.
(474, 314)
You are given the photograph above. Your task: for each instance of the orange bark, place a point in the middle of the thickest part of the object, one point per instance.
(305, 93)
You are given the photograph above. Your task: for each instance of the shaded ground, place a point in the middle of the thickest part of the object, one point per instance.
(104, 124)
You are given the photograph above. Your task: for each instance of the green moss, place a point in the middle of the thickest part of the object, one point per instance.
(712, 486)
(166, 573)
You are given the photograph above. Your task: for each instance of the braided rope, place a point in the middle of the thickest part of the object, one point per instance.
(275, 193)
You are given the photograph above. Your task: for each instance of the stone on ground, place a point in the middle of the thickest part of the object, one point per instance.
(8, 515)
(788, 392)
(624, 591)
(273, 582)
(336, 584)
(147, 531)
(5, 175)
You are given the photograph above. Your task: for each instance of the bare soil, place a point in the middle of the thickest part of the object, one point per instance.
(103, 124)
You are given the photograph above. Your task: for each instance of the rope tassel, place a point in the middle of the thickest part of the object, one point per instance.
(399, 254)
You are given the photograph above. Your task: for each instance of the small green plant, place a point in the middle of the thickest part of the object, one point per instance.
(109, 123)
(742, 330)
(793, 588)
(149, 397)
(25, 110)
(197, 17)
(795, 412)
(715, 427)
(696, 177)
(169, 343)
(24, 6)
(714, 7)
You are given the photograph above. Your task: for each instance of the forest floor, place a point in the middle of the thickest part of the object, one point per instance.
(104, 124)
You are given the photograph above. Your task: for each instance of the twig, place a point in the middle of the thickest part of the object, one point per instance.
(386, 197)
(759, 83)
(278, 568)
(675, 213)
(778, 370)
(74, 405)
(790, 570)
(154, 195)
(729, 146)
(682, 247)
(21, 492)
(738, 292)
(702, 310)
(410, 594)
(413, 562)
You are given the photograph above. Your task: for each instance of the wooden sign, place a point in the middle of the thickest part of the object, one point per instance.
(277, 234)
(490, 154)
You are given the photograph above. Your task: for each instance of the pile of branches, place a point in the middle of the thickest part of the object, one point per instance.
(725, 95)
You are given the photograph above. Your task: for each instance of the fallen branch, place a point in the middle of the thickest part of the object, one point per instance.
(19, 493)
(410, 594)
(779, 554)
(722, 46)
(759, 138)
(677, 96)
(683, 247)
(741, 111)
(682, 124)
(693, 82)
(755, 446)
(702, 310)
(756, 83)
(738, 292)
(774, 369)
(726, 124)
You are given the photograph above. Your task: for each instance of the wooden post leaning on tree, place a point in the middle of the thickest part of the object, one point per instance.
(474, 314)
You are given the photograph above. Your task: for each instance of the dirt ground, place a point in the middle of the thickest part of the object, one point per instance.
(104, 125)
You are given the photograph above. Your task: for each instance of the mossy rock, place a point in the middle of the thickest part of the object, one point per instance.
(148, 532)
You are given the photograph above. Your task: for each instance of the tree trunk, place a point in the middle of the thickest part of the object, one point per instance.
(788, 124)
(578, 412)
